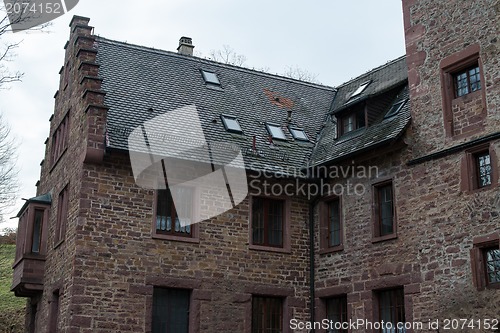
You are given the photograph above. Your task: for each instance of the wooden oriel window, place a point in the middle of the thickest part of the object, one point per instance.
(336, 313)
(391, 307)
(267, 314)
(267, 221)
(170, 310)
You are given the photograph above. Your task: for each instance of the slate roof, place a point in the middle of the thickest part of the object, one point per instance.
(143, 84)
(391, 77)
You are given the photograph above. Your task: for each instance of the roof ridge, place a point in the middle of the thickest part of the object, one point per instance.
(376, 69)
(213, 62)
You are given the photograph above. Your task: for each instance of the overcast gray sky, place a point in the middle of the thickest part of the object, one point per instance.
(336, 40)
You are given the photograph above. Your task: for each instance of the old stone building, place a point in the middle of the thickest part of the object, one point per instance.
(178, 194)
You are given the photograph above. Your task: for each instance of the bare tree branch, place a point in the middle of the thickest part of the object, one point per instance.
(8, 172)
(300, 74)
(228, 56)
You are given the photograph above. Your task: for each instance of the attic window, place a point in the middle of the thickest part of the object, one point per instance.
(231, 124)
(276, 132)
(210, 78)
(360, 89)
(298, 134)
(396, 107)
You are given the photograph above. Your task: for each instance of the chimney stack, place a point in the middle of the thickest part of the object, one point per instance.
(185, 46)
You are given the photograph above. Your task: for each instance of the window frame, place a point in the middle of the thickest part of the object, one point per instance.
(359, 90)
(400, 104)
(355, 114)
(285, 247)
(166, 289)
(377, 306)
(224, 122)
(325, 246)
(59, 141)
(255, 313)
(480, 245)
(466, 71)
(271, 134)
(469, 172)
(377, 235)
(292, 130)
(62, 216)
(342, 298)
(210, 82)
(192, 238)
(449, 66)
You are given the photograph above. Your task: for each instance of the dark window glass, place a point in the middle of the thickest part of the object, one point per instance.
(492, 265)
(170, 310)
(334, 223)
(467, 81)
(336, 312)
(172, 220)
(267, 221)
(62, 214)
(483, 169)
(353, 121)
(37, 231)
(267, 315)
(392, 309)
(386, 210)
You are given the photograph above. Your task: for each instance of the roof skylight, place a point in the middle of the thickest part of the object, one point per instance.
(360, 89)
(276, 132)
(298, 134)
(231, 124)
(210, 77)
(396, 107)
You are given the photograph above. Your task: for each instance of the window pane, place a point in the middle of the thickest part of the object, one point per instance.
(170, 310)
(483, 165)
(298, 134)
(171, 219)
(37, 231)
(386, 210)
(267, 315)
(461, 85)
(475, 80)
(334, 222)
(211, 78)
(275, 222)
(493, 265)
(391, 309)
(257, 221)
(276, 132)
(231, 124)
(336, 312)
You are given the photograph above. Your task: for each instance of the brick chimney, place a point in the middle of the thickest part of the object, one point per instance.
(185, 46)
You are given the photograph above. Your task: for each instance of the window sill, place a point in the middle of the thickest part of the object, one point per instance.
(195, 240)
(269, 248)
(332, 249)
(384, 238)
(495, 285)
(482, 189)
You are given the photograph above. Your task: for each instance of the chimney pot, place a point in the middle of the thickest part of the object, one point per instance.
(185, 46)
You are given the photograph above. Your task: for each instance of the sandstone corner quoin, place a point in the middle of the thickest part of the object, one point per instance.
(418, 241)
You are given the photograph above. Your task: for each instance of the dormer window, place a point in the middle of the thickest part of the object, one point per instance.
(298, 134)
(352, 121)
(231, 124)
(275, 132)
(395, 108)
(360, 89)
(210, 78)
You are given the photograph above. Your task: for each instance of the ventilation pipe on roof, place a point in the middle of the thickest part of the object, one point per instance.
(185, 46)
(289, 117)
